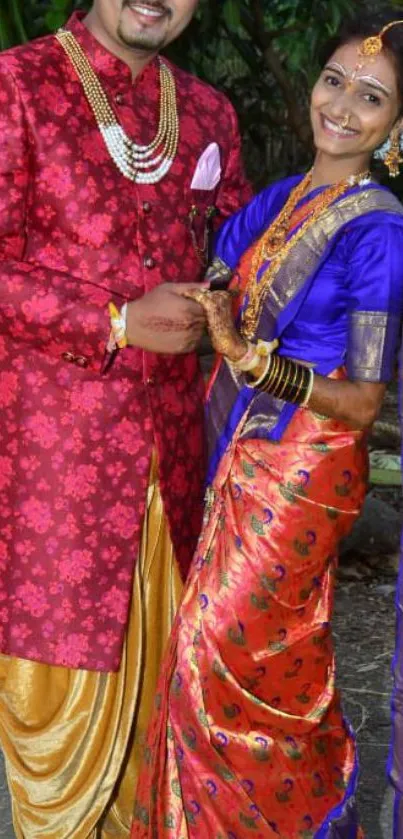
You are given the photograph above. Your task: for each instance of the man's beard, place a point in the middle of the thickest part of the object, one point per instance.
(145, 39)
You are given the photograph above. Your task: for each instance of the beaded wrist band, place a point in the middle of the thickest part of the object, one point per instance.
(287, 380)
(117, 337)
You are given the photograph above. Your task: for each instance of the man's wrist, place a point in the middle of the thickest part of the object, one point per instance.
(130, 319)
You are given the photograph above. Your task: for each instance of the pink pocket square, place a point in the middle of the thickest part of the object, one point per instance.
(208, 170)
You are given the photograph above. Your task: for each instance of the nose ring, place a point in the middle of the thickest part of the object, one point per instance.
(345, 121)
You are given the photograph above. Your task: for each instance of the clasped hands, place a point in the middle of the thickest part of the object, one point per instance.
(172, 318)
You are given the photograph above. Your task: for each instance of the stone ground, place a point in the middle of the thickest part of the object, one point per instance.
(364, 635)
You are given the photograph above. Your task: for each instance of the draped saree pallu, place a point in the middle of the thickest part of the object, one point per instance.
(248, 737)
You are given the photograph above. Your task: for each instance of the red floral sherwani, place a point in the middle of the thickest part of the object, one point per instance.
(76, 441)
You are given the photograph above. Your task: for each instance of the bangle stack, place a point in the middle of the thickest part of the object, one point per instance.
(287, 380)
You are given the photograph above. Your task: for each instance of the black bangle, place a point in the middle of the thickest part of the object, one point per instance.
(286, 379)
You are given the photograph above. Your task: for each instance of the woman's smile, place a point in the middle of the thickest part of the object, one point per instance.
(335, 129)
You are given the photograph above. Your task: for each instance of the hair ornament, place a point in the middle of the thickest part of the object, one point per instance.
(373, 46)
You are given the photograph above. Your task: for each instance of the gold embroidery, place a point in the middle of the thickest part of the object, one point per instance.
(366, 344)
(305, 256)
(274, 245)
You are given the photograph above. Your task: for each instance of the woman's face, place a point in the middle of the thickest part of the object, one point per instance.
(363, 99)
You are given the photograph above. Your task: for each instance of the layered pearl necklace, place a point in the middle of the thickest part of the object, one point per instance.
(141, 164)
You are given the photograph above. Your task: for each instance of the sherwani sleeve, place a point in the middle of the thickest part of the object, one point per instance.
(49, 309)
(375, 299)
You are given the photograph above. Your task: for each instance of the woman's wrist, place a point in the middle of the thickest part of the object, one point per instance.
(284, 379)
(237, 349)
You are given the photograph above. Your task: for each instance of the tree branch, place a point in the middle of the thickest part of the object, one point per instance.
(256, 29)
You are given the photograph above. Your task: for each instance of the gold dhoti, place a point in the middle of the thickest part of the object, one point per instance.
(72, 738)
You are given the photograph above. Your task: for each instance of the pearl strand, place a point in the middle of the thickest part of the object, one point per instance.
(129, 157)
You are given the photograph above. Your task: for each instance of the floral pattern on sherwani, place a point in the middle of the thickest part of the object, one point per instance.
(75, 438)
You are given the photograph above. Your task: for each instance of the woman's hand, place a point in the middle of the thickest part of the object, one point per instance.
(217, 305)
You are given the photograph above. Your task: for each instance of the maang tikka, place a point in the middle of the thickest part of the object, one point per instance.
(391, 151)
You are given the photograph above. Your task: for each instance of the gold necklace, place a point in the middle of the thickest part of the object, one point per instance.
(142, 164)
(273, 244)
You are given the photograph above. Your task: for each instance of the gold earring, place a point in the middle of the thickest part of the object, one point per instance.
(394, 158)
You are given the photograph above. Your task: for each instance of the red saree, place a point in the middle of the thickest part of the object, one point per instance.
(248, 737)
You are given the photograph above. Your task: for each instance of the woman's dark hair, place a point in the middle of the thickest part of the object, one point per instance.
(363, 26)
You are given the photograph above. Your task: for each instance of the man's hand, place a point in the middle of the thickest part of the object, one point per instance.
(164, 321)
(224, 335)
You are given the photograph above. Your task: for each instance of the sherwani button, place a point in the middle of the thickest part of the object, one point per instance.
(119, 99)
(68, 356)
(150, 381)
(81, 360)
(147, 207)
(149, 262)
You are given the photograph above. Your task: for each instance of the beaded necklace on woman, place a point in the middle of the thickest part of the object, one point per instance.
(144, 164)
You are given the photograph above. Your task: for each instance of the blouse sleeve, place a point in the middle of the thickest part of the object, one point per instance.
(375, 299)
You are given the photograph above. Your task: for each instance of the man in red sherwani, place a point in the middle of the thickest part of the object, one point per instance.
(114, 165)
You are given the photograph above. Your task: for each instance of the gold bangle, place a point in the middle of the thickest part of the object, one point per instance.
(278, 384)
(304, 403)
(300, 385)
(286, 374)
(296, 371)
(271, 374)
(293, 372)
(258, 382)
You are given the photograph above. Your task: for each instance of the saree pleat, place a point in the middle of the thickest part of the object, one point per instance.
(248, 737)
(72, 738)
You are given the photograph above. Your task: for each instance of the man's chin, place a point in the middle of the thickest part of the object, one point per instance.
(142, 41)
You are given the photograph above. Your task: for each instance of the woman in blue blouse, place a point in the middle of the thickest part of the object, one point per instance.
(248, 737)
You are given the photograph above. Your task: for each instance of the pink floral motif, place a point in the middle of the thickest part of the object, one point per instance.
(122, 517)
(76, 441)
(95, 229)
(38, 515)
(87, 398)
(76, 566)
(116, 603)
(43, 429)
(82, 482)
(8, 388)
(71, 651)
(41, 308)
(126, 436)
(6, 471)
(33, 599)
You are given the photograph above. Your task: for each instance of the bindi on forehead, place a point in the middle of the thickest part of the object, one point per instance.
(356, 76)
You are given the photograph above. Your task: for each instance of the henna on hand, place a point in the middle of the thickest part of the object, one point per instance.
(165, 324)
(224, 336)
